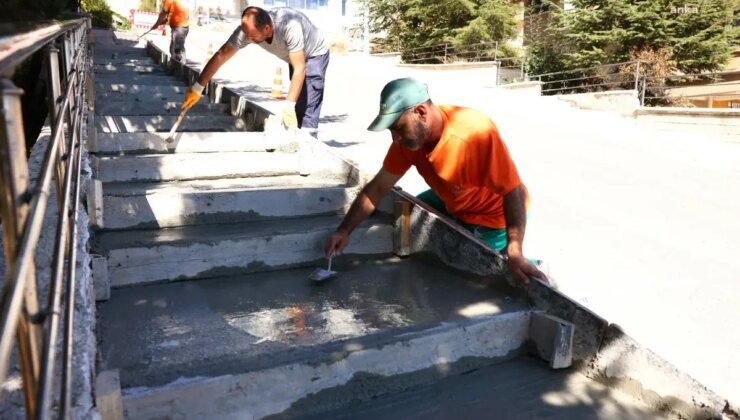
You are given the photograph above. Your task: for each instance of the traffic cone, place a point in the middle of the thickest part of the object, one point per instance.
(277, 84)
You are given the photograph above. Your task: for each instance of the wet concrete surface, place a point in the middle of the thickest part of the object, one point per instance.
(524, 388)
(157, 334)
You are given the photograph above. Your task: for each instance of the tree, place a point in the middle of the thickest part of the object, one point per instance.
(599, 32)
(148, 5)
(416, 23)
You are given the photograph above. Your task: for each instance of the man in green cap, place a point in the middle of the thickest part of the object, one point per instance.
(460, 154)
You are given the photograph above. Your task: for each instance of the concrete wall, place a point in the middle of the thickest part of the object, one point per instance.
(724, 121)
(527, 88)
(623, 101)
(482, 71)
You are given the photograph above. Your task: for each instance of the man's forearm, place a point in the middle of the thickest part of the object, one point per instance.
(516, 220)
(296, 83)
(361, 208)
(222, 55)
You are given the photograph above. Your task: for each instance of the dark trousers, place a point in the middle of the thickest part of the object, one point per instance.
(177, 43)
(308, 105)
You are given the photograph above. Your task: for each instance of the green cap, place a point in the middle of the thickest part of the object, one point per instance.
(396, 97)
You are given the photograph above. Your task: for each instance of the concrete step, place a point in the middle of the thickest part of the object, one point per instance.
(107, 61)
(251, 346)
(118, 53)
(186, 166)
(172, 204)
(135, 108)
(131, 68)
(522, 388)
(204, 251)
(117, 79)
(132, 124)
(145, 92)
(134, 87)
(172, 93)
(188, 142)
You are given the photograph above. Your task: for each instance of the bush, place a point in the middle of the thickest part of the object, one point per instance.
(121, 21)
(102, 15)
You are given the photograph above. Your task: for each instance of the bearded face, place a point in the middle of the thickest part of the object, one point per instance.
(411, 132)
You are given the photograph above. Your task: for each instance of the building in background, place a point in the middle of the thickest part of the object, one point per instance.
(340, 20)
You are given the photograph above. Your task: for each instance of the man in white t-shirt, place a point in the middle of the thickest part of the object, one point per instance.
(289, 35)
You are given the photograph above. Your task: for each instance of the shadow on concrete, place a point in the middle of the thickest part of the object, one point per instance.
(333, 118)
(334, 143)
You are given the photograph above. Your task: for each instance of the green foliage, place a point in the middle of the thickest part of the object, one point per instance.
(102, 15)
(15, 11)
(415, 23)
(121, 21)
(148, 5)
(599, 32)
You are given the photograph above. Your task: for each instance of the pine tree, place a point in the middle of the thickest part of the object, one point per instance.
(599, 32)
(415, 23)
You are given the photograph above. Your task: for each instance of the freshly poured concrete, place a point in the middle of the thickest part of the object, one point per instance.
(139, 205)
(524, 388)
(204, 251)
(237, 324)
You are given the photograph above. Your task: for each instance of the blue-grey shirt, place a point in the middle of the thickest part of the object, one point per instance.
(292, 32)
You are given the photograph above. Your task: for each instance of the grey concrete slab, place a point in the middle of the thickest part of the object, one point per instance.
(115, 85)
(204, 251)
(194, 166)
(117, 79)
(523, 388)
(106, 61)
(158, 93)
(127, 68)
(138, 108)
(148, 91)
(221, 201)
(156, 334)
(189, 142)
(130, 124)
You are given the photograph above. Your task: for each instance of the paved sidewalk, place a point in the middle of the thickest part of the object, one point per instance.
(640, 225)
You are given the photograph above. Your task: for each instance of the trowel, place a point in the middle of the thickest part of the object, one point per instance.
(320, 275)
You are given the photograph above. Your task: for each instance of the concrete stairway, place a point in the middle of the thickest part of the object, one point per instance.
(207, 242)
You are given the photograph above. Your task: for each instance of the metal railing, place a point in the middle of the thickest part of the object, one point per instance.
(690, 90)
(590, 79)
(510, 70)
(448, 53)
(35, 324)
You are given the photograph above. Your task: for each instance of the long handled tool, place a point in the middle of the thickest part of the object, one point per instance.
(142, 35)
(170, 137)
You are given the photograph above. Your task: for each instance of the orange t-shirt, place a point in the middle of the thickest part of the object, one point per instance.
(469, 169)
(177, 14)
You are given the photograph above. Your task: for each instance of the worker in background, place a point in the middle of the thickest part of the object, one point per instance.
(289, 35)
(177, 16)
(459, 153)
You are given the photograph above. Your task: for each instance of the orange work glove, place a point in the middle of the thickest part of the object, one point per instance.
(192, 96)
(289, 118)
